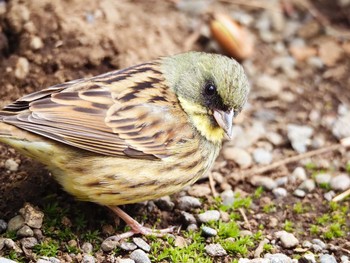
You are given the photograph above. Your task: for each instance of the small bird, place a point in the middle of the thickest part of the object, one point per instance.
(134, 134)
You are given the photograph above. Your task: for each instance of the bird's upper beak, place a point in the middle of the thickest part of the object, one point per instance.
(224, 119)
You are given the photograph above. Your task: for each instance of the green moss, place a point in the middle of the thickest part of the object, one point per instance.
(48, 248)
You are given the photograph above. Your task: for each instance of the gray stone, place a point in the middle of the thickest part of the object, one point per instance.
(10, 244)
(227, 197)
(308, 258)
(3, 226)
(192, 227)
(299, 173)
(188, 202)
(32, 217)
(141, 244)
(41, 260)
(299, 193)
(286, 64)
(139, 256)
(306, 244)
(278, 258)
(215, 250)
(319, 242)
(188, 218)
(341, 127)
(279, 192)
(280, 181)
(329, 195)
(165, 203)
(88, 259)
(299, 137)
(15, 223)
(125, 260)
(127, 246)
(264, 181)
(315, 62)
(108, 245)
(275, 138)
(54, 260)
(210, 215)
(262, 156)
(22, 68)
(308, 185)
(29, 242)
(238, 155)
(87, 248)
(316, 248)
(11, 165)
(344, 259)
(323, 178)
(25, 231)
(6, 260)
(326, 258)
(268, 86)
(340, 182)
(208, 231)
(288, 240)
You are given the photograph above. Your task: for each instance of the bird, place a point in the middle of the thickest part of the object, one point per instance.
(133, 134)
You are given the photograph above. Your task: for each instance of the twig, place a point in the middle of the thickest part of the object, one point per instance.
(245, 218)
(260, 248)
(343, 144)
(212, 185)
(341, 196)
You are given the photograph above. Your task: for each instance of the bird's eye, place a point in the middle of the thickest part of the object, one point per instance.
(210, 89)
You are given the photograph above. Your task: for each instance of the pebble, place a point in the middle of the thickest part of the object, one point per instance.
(188, 202)
(6, 260)
(238, 155)
(165, 203)
(29, 242)
(286, 64)
(315, 62)
(125, 260)
(208, 231)
(36, 43)
(299, 173)
(299, 193)
(262, 156)
(344, 259)
(139, 256)
(215, 250)
(87, 248)
(275, 138)
(141, 244)
(326, 258)
(15, 223)
(22, 68)
(279, 192)
(323, 178)
(25, 231)
(340, 182)
(316, 248)
(227, 197)
(341, 127)
(281, 180)
(319, 242)
(188, 218)
(127, 246)
(108, 245)
(10, 244)
(3, 226)
(306, 244)
(192, 227)
(299, 137)
(288, 240)
(210, 215)
(266, 182)
(278, 258)
(273, 222)
(199, 190)
(307, 186)
(308, 258)
(41, 260)
(32, 217)
(329, 195)
(11, 165)
(180, 242)
(88, 259)
(268, 86)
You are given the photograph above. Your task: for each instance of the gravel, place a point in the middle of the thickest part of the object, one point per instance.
(208, 216)
(139, 256)
(279, 192)
(323, 178)
(307, 186)
(215, 250)
(227, 197)
(264, 181)
(340, 182)
(238, 155)
(288, 240)
(208, 231)
(262, 156)
(299, 137)
(188, 202)
(327, 259)
(141, 244)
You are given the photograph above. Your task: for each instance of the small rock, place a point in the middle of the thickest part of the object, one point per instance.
(22, 68)
(266, 182)
(32, 217)
(340, 182)
(319, 242)
(308, 258)
(15, 223)
(315, 62)
(286, 64)
(275, 138)
(244, 233)
(6, 260)
(11, 165)
(268, 86)
(192, 227)
(88, 259)
(330, 58)
(227, 197)
(108, 245)
(279, 192)
(188, 202)
(288, 240)
(10, 244)
(299, 193)
(87, 248)
(307, 186)
(199, 190)
(341, 127)
(323, 178)
(344, 259)
(299, 173)
(3, 226)
(299, 137)
(262, 156)
(281, 181)
(188, 218)
(210, 215)
(316, 248)
(41, 260)
(215, 250)
(238, 155)
(29, 242)
(36, 43)
(38, 234)
(139, 256)
(273, 222)
(278, 258)
(124, 260)
(208, 231)
(329, 195)
(180, 242)
(306, 244)
(141, 244)
(326, 258)
(25, 231)
(127, 246)
(165, 203)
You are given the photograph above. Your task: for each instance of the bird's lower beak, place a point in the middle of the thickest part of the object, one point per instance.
(224, 119)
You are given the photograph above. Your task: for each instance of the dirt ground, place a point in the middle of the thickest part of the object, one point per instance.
(46, 42)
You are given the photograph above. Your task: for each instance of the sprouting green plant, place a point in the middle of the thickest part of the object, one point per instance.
(269, 208)
(48, 248)
(314, 229)
(298, 208)
(258, 192)
(288, 226)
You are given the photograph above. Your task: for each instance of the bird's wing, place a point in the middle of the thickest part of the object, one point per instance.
(122, 113)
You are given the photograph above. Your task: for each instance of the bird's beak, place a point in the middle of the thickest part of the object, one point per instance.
(224, 119)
